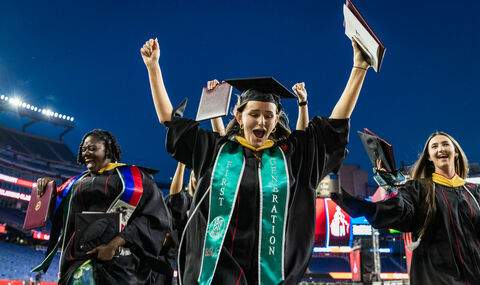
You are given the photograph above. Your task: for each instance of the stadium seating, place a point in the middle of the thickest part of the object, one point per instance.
(8, 141)
(329, 264)
(29, 156)
(391, 264)
(35, 146)
(12, 217)
(16, 261)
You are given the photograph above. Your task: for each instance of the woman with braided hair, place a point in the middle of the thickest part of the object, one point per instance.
(439, 208)
(121, 245)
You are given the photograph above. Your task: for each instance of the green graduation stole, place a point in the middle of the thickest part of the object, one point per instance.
(274, 187)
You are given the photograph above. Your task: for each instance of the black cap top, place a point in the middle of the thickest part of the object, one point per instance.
(264, 89)
(268, 85)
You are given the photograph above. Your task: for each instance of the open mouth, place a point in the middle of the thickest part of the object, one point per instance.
(259, 133)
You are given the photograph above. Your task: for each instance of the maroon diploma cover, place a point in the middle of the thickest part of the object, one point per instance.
(39, 207)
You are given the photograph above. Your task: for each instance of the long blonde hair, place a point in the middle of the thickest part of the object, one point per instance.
(423, 169)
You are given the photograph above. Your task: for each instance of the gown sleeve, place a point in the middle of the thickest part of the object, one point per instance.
(319, 149)
(475, 190)
(150, 222)
(178, 204)
(401, 212)
(190, 144)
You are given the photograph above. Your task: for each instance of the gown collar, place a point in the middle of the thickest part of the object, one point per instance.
(455, 181)
(110, 166)
(244, 142)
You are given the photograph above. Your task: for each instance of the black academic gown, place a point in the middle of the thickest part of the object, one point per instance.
(178, 205)
(449, 252)
(144, 233)
(310, 155)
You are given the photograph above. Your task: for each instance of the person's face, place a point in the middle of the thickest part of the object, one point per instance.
(94, 154)
(441, 152)
(258, 120)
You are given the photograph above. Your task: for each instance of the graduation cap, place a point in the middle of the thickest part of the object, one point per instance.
(268, 89)
(215, 103)
(378, 149)
(262, 84)
(93, 229)
(264, 89)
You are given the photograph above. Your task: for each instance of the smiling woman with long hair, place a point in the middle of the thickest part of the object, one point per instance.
(252, 216)
(439, 208)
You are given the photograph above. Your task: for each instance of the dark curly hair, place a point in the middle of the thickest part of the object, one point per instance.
(112, 148)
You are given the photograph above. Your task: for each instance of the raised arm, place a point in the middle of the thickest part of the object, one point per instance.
(151, 54)
(302, 120)
(345, 105)
(177, 181)
(217, 123)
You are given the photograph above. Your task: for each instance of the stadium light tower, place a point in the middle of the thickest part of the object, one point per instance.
(36, 114)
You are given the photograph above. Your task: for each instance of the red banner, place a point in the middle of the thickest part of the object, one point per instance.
(320, 223)
(407, 240)
(15, 180)
(355, 264)
(40, 235)
(22, 282)
(339, 225)
(332, 225)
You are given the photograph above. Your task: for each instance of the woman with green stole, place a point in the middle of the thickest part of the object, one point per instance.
(179, 199)
(252, 216)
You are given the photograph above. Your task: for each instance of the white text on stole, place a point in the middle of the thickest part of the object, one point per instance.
(224, 183)
(273, 211)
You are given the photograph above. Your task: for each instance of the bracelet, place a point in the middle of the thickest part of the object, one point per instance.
(359, 67)
(303, 103)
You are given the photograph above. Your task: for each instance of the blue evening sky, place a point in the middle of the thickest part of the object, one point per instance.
(82, 58)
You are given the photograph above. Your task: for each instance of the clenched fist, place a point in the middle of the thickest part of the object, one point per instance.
(300, 91)
(150, 52)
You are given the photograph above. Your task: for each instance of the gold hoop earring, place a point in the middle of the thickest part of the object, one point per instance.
(240, 131)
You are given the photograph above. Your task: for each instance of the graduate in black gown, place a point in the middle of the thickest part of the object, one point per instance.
(179, 199)
(439, 208)
(113, 258)
(260, 173)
